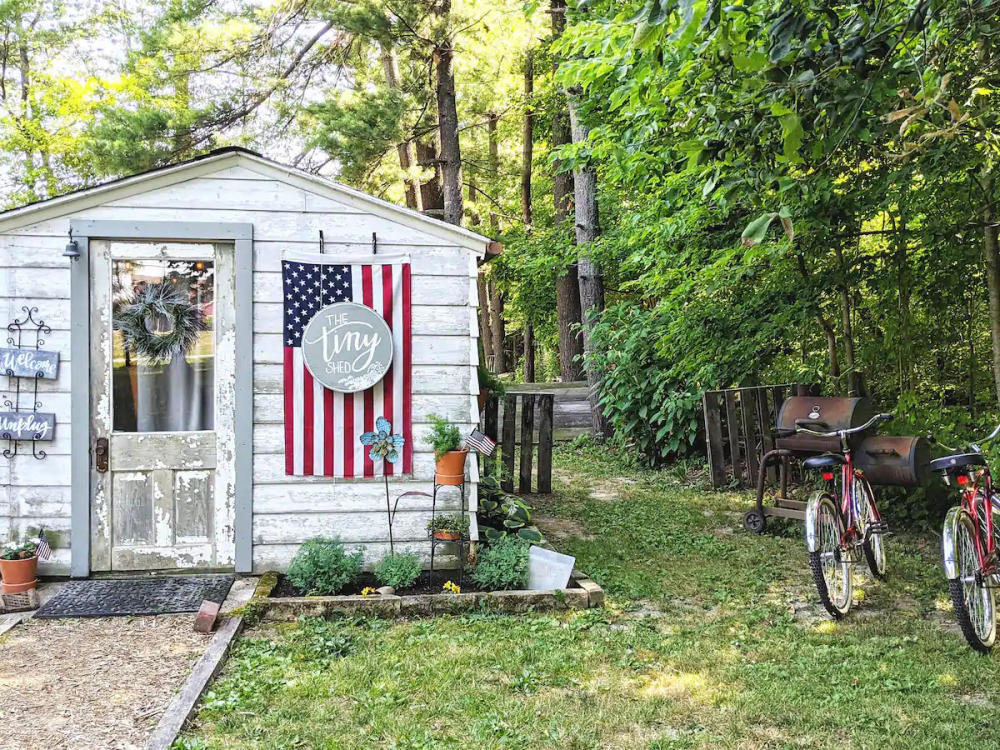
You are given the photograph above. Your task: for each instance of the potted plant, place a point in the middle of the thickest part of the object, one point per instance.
(448, 451)
(448, 528)
(19, 566)
(488, 383)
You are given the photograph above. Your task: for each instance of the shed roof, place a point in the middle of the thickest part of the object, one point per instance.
(225, 158)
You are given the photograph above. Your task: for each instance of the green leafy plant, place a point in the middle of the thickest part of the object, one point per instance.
(23, 550)
(489, 382)
(323, 567)
(503, 565)
(444, 436)
(453, 523)
(501, 513)
(398, 571)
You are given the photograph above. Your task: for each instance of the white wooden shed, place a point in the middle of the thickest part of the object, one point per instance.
(135, 482)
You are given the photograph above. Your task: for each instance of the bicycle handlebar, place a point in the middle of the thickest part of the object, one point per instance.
(975, 444)
(800, 426)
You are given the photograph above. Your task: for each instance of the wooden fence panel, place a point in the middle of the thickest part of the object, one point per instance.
(527, 439)
(750, 416)
(507, 447)
(713, 439)
(535, 412)
(546, 409)
(733, 428)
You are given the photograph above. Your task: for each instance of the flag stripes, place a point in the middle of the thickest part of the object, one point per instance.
(323, 427)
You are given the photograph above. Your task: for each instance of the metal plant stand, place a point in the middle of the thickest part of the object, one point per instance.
(462, 542)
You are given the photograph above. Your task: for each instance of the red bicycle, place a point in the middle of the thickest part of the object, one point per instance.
(842, 521)
(970, 544)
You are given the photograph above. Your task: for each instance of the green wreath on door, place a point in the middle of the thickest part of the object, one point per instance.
(153, 305)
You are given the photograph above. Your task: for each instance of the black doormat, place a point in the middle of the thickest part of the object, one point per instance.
(144, 596)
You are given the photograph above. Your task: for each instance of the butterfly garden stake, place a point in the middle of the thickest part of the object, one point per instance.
(387, 447)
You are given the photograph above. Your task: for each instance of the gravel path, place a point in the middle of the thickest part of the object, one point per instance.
(92, 683)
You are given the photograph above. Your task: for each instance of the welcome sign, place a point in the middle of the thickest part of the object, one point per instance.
(347, 347)
(29, 363)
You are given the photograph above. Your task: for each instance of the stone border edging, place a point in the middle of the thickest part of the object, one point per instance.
(582, 593)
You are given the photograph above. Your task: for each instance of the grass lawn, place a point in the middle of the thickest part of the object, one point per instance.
(712, 637)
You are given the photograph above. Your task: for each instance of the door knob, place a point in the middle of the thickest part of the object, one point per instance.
(101, 454)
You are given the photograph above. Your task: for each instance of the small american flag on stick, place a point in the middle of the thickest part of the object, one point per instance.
(481, 443)
(43, 551)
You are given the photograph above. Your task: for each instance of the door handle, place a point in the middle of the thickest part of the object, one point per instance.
(101, 454)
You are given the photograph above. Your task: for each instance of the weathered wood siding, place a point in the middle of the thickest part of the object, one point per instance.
(285, 217)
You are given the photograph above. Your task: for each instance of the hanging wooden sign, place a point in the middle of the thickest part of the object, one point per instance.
(347, 347)
(29, 363)
(27, 425)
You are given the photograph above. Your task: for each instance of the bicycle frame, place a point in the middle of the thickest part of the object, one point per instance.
(976, 501)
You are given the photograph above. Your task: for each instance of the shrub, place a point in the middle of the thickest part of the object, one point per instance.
(503, 565)
(398, 571)
(456, 523)
(653, 404)
(323, 567)
(444, 436)
(501, 513)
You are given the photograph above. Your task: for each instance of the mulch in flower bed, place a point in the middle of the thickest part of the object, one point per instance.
(424, 585)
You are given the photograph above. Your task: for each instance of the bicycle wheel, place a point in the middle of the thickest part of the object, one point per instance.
(973, 601)
(831, 569)
(873, 545)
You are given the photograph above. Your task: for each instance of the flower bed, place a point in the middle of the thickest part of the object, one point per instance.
(268, 604)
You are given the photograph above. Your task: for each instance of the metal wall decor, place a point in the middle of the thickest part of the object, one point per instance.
(21, 420)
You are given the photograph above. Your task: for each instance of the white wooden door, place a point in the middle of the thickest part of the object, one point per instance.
(162, 432)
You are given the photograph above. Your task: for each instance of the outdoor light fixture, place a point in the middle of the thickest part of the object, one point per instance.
(72, 250)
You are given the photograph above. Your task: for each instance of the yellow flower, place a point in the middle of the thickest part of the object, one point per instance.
(367, 591)
(452, 587)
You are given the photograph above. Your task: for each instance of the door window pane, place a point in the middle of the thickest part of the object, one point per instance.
(163, 339)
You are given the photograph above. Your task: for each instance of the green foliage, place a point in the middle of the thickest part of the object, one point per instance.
(398, 571)
(454, 523)
(490, 383)
(444, 436)
(322, 567)
(501, 513)
(651, 408)
(502, 565)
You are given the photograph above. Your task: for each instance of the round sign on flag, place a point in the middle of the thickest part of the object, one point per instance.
(347, 347)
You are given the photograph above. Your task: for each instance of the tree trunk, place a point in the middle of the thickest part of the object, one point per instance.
(567, 285)
(497, 329)
(450, 154)
(529, 353)
(591, 281)
(485, 334)
(855, 384)
(493, 161)
(406, 151)
(527, 134)
(990, 255)
(825, 326)
(970, 331)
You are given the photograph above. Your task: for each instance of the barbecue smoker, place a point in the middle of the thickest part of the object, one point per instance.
(884, 460)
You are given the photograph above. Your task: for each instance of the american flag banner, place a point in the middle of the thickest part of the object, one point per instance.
(43, 550)
(323, 427)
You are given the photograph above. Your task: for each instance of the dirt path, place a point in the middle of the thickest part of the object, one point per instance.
(92, 683)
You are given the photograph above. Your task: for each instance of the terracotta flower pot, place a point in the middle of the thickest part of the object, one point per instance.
(446, 536)
(18, 575)
(450, 468)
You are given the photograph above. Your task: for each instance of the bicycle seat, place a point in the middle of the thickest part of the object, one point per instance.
(824, 461)
(957, 461)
